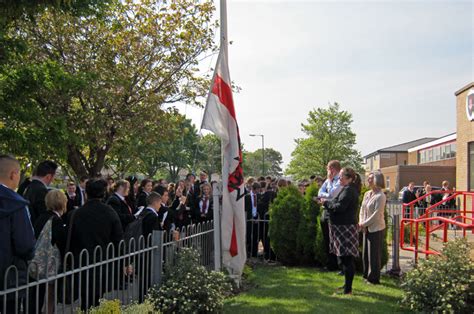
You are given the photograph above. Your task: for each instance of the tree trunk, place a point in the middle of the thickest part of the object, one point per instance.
(74, 160)
(79, 165)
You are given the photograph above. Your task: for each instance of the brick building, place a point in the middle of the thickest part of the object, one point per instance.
(450, 157)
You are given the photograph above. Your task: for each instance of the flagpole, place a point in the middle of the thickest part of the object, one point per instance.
(224, 40)
(220, 187)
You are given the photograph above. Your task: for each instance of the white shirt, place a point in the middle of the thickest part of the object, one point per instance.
(254, 205)
(120, 197)
(201, 203)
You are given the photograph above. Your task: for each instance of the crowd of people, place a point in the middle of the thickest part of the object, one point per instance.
(97, 211)
(339, 197)
(91, 214)
(443, 198)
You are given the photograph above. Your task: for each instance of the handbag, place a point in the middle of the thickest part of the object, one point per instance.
(47, 258)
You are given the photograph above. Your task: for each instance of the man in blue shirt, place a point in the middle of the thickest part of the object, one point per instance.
(330, 188)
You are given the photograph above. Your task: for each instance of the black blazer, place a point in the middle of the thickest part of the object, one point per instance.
(141, 199)
(343, 208)
(122, 210)
(150, 222)
(79, 195)
(72, 202)
(248, 206)
(169, 218)
(181, 214)
(58, 230)
(197, 211)
(94, 224)
(35, 193)
(408, 196)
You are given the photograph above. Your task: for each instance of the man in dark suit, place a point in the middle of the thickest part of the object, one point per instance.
(252, 210)
(81, 191)
(94, 224)
(117, 201)
(408, 196)
(151, 221)
(267, 195)
(192, 195)
(36, 192)
(73, 201)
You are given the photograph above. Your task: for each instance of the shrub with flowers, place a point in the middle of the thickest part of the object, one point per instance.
(189, 287)
(115, 307)
(442, 283)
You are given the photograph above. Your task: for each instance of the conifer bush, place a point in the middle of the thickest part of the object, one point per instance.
(285, 217)
(308, 226)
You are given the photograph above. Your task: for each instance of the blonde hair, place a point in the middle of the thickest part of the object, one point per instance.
(120, 183)
(56, 200)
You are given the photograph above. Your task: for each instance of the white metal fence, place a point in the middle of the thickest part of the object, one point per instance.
(124, 271)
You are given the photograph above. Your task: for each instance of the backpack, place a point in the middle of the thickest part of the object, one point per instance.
(134, 230)
(47, 256)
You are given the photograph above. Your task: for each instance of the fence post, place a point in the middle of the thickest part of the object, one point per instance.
(395, 271)
(157, 257)
(216, 193)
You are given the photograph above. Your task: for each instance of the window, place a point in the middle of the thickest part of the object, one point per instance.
(430, 155)
(453, 150)
(448, 151)
(387, 184)
(443, 152)
(436, 153)
(470, 183)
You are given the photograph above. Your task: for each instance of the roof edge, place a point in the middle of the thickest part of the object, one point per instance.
(464, 88)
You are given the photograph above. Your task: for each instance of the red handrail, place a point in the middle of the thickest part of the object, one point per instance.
(460, 219)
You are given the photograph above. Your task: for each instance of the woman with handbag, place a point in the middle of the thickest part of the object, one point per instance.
(52, 219)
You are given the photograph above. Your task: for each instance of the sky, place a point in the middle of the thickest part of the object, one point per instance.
(395, 65)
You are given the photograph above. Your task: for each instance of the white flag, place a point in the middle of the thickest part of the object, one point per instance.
(220, 119)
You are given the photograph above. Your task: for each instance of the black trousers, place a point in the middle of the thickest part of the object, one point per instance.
(372, 255)
(268, 253)
(252, 238)
(348, 267)
(332, 259)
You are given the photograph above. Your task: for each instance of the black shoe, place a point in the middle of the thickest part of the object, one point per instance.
(341, 273)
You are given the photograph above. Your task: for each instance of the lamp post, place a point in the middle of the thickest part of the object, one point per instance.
(263, 151)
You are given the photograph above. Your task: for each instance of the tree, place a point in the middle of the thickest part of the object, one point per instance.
(179, 150)
(82, 83)
(209, 157)
(329, 137)
(253, 163)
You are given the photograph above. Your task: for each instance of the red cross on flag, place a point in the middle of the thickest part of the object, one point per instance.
(220, 119)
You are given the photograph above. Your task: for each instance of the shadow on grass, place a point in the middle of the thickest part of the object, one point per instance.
(308, 290)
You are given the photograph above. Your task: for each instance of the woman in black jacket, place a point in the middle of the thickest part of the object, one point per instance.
(343, 235)
(143, 191)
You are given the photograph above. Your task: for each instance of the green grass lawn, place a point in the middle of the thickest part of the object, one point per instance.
(279, 289)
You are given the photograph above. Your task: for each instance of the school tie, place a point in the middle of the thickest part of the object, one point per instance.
(204, 205)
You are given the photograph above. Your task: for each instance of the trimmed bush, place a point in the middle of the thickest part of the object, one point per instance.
(320, 251)
(285, 216)
(442, 283)
(189, 287)
(307, 229)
